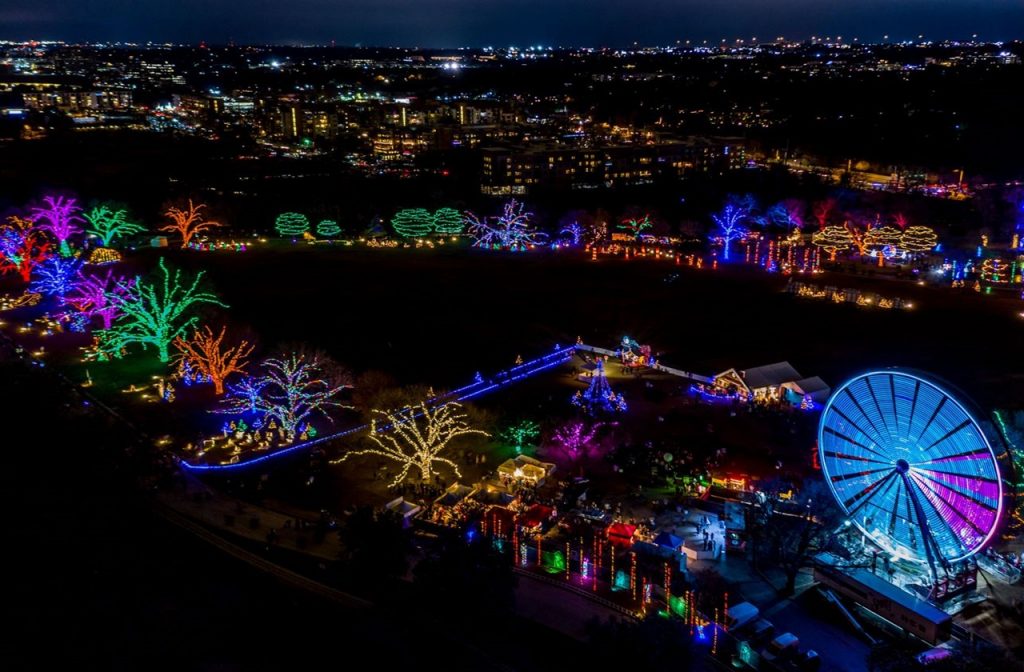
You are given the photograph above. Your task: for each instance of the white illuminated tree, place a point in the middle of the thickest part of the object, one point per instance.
(513, 230)
(292, 389)
(415, 437)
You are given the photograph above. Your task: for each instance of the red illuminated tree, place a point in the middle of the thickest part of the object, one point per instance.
(207, 354)
(823, 211)
(187, 223)
(23, 246)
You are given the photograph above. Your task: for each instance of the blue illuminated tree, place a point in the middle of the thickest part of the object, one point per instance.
(56, 276)
(730, 221)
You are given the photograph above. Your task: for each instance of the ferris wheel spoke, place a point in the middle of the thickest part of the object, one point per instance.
(935, 414)
(940, 489)
(860, 409)
(944, 511)
(953, 432)
(858, 458)
(854, 442)
(870, 493)
(878, 408)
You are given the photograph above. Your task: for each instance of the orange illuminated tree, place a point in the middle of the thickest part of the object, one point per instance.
(207, 354)
(187, 223)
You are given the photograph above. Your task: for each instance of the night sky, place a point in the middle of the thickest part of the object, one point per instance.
(432, 23)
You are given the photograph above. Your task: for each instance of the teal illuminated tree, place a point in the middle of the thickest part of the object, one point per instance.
(109, 225)
(521, 434)
(154, 313)
(328, 228)
(413, 222)
(448, 222)
(291, 224)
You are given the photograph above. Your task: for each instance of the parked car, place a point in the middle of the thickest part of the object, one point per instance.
(783, 647)
(740, 614)
(932, 656)
(810, 661)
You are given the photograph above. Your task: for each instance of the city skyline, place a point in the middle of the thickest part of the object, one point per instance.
(523, 23)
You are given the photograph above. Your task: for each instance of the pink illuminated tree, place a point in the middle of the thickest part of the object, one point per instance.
(576, 439)
(59, 218)
(94, 295)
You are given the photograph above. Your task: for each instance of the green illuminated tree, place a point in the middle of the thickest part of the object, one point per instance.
(109, 225)
(154, 313)
(413, 222)
(521, 434)
(448, 221)
(291, 224)
(328, 228)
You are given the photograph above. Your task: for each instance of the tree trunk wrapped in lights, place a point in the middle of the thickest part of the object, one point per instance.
(154, 313)
(187, 223)
(416, 436)
(207, 354)
(91, 295)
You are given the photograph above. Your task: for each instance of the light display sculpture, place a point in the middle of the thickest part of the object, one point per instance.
(599, 397)
(109, 225)
(413, 222)
(291, 224)
(188, 223)
(510, 231)
(55, 277)
(416, 436)
(448, 222)
(60, 219)
(206, 354)
(244, 397)
(573, 233)
(328, 228)
(154, 313)
(636, 226)
(911, 467)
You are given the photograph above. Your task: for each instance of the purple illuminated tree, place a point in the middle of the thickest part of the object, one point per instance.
(576, 439)
(59, 218)
(730, 221)
(92, 295)
(55, 277)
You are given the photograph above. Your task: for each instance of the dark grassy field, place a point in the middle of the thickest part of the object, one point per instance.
(437, 316)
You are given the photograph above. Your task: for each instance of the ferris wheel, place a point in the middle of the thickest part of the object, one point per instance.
(911, 467)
